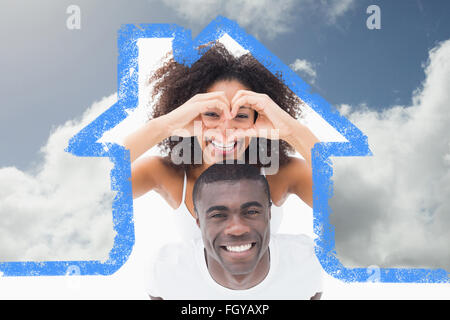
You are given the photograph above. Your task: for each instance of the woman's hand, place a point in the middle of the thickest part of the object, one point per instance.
(272, 122)
(181, 121)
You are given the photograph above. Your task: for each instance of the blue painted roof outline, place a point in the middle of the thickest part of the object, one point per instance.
(84, 144)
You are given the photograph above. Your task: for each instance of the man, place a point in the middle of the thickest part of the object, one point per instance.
(237, 257)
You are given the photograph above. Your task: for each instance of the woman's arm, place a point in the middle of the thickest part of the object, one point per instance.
(146, 137)
(299, 178)
(147, 174)
(150, 173)
(178, 122)
(144, 170)
(301, 139)
(300, 171)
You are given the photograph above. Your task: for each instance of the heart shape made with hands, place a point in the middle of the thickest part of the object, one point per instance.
(248, 114)
(251, 115)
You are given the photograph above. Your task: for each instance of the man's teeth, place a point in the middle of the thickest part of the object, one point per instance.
(241, 248)
(229, 146)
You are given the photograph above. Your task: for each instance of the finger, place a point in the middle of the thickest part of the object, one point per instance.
(213, 95)
(222, 97)
(237, 97)
(208, 95)
(235, 109)
(226, 108)
(251, 101)
(240, 93)
(214, 104)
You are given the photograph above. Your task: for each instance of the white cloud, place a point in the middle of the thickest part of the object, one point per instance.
(337, 8)
(393, 209)
(261, 17)
(305, 67)
(63, 210)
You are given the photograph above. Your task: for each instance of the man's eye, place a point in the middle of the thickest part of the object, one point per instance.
(217, 215)
(252, 212)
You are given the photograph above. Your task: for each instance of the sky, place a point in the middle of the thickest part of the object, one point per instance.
(353, 64)
(388, 210)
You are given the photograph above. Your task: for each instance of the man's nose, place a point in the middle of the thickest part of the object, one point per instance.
(236, 226)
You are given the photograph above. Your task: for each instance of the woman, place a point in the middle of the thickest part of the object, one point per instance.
(218, 105)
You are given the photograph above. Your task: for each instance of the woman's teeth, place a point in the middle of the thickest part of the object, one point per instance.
(226, 147)
(241, 248)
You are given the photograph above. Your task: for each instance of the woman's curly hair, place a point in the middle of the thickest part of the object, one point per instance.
(175, 83)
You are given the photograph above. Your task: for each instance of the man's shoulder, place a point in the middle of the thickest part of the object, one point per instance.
(175, 261)
(297, 261)
(173, 270)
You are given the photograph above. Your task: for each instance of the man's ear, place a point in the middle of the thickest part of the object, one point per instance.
(270, 209)
(197, 220)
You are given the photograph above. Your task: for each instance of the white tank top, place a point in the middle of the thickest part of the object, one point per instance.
(188, 229)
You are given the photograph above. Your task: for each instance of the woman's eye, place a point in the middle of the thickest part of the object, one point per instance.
(211, 114)
(241, 116)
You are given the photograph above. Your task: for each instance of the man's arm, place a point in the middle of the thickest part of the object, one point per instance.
(316, 296)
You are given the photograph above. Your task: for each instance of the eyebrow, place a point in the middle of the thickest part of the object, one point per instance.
(244, 107)
(243, 206)
(251, 204)
(216, 208)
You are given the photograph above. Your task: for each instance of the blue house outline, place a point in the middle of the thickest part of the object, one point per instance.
(84, 144)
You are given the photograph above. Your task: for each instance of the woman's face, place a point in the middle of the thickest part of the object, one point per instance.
(217, 141)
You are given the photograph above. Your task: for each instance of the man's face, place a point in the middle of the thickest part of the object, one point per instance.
(234, 221)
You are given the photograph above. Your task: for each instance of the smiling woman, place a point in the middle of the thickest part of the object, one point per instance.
(221, 74)
(223, 107)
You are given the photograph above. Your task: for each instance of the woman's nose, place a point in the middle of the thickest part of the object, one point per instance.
(236, 227)
(226, 128)
(226, 124)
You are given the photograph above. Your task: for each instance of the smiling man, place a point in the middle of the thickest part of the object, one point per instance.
(237, 257)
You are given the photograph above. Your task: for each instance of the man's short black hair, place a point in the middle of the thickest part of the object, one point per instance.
(220, 172)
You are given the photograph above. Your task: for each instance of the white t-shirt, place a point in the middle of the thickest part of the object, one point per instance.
(179, 272)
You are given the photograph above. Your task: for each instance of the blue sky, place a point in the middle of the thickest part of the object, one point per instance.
(378, 67)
